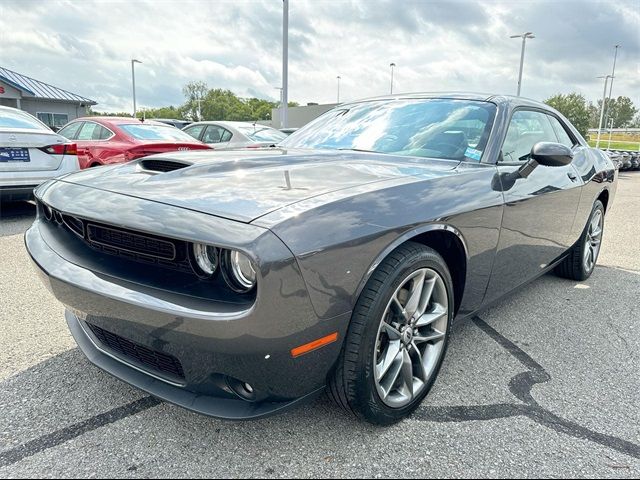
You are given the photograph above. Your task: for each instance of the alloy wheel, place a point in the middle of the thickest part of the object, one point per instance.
(593, 240)
(411, 337)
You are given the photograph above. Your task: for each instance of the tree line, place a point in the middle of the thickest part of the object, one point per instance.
(204, 103)
(585, 115)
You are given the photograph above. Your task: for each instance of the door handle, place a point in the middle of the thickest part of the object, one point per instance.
(572, 177)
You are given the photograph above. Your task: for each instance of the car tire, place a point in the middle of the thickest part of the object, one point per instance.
(354, 384)
(575, 266)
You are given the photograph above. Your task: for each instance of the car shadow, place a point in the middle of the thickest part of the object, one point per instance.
(16, 217)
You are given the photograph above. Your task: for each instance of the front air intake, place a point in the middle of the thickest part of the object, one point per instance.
(153, 165)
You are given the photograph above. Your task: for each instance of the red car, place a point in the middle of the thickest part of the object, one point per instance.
(107, 140)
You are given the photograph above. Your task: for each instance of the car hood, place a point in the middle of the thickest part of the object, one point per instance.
(244, 185)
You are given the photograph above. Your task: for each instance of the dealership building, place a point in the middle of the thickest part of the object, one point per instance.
(299, 116)
(51, 105)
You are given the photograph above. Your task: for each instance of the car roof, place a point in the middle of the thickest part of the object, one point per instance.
(475, 96)
(118, 120)
(230, 123)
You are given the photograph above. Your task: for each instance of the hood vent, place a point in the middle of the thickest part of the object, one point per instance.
(153, 165)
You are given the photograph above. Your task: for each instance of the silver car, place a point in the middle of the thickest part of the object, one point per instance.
(231, 135)
(30, 153)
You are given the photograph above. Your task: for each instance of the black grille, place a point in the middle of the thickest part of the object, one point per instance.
(128, 245)
(162, 165)
(131, 242)
(153, 360)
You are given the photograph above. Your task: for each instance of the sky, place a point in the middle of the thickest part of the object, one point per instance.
(85, 46)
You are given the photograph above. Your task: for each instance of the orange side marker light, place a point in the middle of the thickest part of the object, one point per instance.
(315, 345)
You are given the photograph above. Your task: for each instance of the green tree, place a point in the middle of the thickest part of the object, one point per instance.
(162, 112)
(574, 107)
(621, 110)
(194, 93)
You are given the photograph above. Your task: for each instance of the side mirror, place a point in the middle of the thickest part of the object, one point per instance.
(551, 154)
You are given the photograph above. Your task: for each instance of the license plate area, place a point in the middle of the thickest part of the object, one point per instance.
(14, 155)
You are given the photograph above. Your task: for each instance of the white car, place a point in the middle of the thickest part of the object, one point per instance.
(30, 153)
(230, 135)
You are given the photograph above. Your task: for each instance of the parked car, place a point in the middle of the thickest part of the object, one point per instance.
(616, 158)
(30, 153)
(288, 131)
(180, 124)
(108, 140)
(232, 135)
(245, 283)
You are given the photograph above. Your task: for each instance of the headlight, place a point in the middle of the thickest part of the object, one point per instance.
(238, 271)
(206, 258)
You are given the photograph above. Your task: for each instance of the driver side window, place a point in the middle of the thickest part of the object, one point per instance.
(525, 130)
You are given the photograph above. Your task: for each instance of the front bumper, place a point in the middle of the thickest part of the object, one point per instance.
(252, 346)
(214, 406)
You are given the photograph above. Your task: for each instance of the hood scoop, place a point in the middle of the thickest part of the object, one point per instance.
(162, 166)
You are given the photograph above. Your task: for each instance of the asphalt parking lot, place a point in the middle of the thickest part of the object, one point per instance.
(544, 384)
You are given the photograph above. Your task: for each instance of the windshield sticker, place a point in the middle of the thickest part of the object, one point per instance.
(473, 154)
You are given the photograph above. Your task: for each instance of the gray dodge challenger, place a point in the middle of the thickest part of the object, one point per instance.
(239, 284)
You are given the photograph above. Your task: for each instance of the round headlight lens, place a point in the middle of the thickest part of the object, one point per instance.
(206, 257)
(243, 275)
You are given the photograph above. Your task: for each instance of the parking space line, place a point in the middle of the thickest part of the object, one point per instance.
(520, 386)
(59, 437)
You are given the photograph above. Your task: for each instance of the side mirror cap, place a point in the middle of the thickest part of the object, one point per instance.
(551, 154)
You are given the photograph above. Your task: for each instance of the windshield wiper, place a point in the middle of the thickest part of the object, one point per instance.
(357, 150)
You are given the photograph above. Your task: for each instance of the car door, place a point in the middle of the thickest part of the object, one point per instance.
(84, 140)
(540, 206)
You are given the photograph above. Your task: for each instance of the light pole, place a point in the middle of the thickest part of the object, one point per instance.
(524, 37)
(285, 61)
(338, 77)
(279, 106)
(610, 132)
(133, 81)
(392, 65)
(604, 100)
(613, 74)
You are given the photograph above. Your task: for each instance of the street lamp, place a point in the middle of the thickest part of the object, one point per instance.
(613, 74)
(524, 37)
(604, 100)
(338, 77)
(280, 106)
(133, 80)
(285, 61)
(392, 65)
(610, 132)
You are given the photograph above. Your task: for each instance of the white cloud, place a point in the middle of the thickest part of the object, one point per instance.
(86, 46)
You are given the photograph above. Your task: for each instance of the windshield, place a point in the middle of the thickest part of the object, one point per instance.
(156, 132)
(436, 128)
(262, 134)
(12, 119)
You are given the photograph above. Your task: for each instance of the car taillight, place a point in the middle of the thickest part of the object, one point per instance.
(61, 149)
